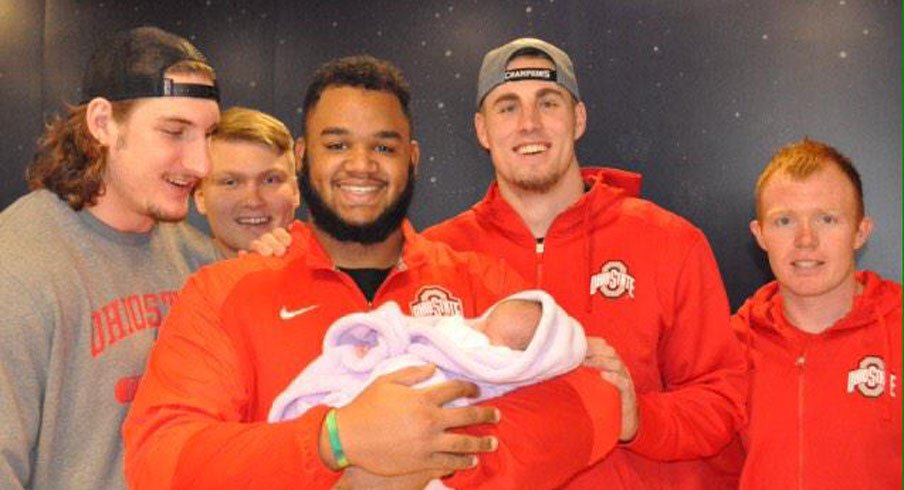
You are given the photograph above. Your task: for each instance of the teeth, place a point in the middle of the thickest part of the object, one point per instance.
(259, 220)
(531, 149)
(180, 181)
(806, 264)
(358, 189)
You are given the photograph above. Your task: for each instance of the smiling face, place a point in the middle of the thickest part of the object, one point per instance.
(251, 190)
(811, 229)
(358, 158)
(530, 128)
(155, 157)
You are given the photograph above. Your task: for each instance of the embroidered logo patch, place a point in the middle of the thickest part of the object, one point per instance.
(613, 280)
(435, 301)
(868, 378)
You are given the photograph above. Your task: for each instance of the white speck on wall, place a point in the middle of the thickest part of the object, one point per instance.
(737, 115)
(431, 158)
(842, 2)
(655, 49)
(457, 75)
(252, 84)
(437, 15)
(528, 9)
(765, 37)
(866, 32)
(448, 53)
(263, 15)
(208, 3)
(451, 8)
(842, 54)
(440, 105)
(335, 23)
(282, 41)
(379, 33)
(423, 43)
(432, 179)
(192, 37)
(298, 110)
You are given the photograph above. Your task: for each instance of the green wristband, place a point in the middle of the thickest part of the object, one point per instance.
(332, 429)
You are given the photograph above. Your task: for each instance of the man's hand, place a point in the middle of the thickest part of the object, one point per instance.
(602, 356)
(392, 429)
(355, 478)
(271, 244)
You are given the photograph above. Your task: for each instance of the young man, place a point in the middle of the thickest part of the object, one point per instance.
(631, 272)
(252, 188)
(242, 330)
(92, 258)
(824, 340)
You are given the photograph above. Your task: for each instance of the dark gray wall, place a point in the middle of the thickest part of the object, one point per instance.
(696, 95)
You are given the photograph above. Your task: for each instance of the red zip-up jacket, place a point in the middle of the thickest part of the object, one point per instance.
(242, 329)
(645, 280)
(825, 409)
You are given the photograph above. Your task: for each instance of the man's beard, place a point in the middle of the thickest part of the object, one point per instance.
(367, 234)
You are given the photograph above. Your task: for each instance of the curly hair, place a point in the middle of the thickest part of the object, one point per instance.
(361, 71)
(70, 162)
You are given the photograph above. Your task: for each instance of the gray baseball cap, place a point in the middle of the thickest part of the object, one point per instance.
(493, 72)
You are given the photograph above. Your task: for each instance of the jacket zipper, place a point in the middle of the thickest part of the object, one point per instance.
(539, 248)
(801, 364)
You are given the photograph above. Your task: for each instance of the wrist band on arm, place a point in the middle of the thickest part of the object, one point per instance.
(332, 430)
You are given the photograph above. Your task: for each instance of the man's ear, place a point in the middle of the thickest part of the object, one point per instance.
(864, 230)
(481, 130)
(198, 196)
(100, 122)
(299, 154)
(757, 231)
(415, 155)
(580, 120)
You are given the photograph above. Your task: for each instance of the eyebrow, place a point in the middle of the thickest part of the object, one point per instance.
(334, 132)
(388, 134)
(186, 122)
(383, 134)
(511, 97)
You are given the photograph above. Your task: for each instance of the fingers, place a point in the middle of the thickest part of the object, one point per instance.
(261, 247)
(282, 236)
(409, 376)
(274, 243)
(445, 392)
(453, 462)
(471, 415)
(453, 443)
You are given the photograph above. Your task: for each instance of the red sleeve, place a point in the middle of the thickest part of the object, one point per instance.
(186, 427)
(703, 367)
(548, 432)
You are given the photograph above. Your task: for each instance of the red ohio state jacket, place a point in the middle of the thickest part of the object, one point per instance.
(825, 409)
(645, 280)
(242, 329)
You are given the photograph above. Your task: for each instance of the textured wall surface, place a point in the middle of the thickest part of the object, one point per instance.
(694, 95)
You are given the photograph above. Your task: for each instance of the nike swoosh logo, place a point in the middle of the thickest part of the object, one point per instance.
(285, 314)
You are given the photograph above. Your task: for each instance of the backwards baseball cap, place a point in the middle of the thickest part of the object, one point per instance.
(133, 64)
(493, 72)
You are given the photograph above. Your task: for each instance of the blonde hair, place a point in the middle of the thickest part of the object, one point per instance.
(244, 124)
(804, 158)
